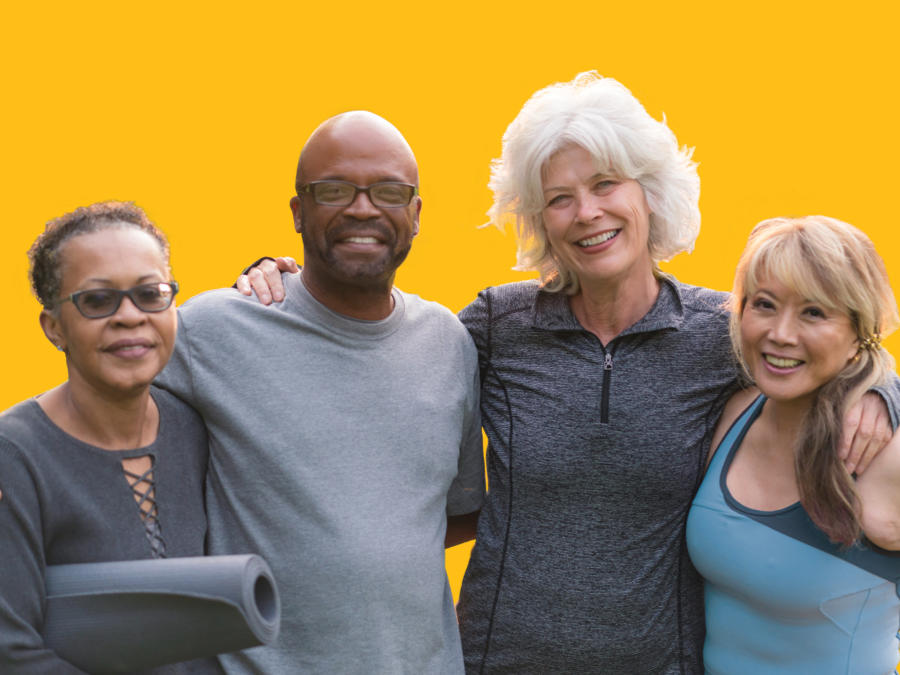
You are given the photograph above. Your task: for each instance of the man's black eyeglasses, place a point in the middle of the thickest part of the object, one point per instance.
(388, 194)
(97, 303)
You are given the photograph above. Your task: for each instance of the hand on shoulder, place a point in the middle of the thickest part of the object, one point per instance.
(880, 497)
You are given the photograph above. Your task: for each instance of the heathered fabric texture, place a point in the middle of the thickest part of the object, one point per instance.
(579, 564)
(337, 449)
(65, 501)
(800, 601)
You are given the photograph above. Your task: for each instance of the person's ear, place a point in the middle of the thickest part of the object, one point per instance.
(52, 329)
(297, 211)
(416, 216)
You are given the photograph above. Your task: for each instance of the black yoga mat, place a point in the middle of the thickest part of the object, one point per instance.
(115, 617)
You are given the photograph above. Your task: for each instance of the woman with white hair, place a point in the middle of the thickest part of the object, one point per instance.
(600, 382)
(799, 558)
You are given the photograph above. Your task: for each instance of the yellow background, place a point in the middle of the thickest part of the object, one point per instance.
(197, 111)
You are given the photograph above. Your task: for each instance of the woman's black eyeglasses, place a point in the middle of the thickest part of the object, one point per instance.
(97, 303)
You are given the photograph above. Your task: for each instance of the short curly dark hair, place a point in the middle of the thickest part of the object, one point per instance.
(43, 255)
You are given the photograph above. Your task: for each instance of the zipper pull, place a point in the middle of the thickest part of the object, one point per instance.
(607, 363)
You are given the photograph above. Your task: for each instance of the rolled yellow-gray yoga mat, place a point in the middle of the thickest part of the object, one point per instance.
(115, 617)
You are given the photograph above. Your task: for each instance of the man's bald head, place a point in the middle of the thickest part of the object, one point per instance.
(363, 132)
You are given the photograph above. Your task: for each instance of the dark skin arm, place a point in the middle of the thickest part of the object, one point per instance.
(460, 528)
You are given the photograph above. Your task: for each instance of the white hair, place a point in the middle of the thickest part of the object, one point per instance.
(600, 115)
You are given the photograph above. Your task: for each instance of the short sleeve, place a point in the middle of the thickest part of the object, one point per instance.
(466, 492)
(890, 392)
(476, 318)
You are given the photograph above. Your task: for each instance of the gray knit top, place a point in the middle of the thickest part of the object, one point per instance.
(594, 455)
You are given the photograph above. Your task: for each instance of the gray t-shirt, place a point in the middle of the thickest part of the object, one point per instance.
(337, 449)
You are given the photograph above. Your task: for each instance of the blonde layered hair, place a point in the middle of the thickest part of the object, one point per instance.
(603, 117)
(835, 265)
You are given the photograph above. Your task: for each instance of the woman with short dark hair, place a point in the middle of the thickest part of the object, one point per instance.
(103, 467)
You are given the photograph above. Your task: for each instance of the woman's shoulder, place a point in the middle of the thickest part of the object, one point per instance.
(515, 293)
(165, 398)
(733, 409)
(29, 444)
(505, 300)
(701, 294)
(22, 422)
(173, 412)
(700, 302)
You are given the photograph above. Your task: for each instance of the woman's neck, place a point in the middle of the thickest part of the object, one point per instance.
(119, 423)
(608, 309)
(783, 421)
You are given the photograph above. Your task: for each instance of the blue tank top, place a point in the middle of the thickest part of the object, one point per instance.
(780, 597)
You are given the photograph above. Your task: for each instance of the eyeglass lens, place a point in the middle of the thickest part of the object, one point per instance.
(340, 193)
(100, 302)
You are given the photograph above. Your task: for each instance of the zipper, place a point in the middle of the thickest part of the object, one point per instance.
(604, 396)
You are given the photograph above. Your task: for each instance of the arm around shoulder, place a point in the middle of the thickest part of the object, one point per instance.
(879, 493)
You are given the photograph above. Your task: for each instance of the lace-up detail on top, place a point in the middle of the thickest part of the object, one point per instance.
(144, 488)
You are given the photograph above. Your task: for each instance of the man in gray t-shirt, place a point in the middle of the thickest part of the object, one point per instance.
(345, 441)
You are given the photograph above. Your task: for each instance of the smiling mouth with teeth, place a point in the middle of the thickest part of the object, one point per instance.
(361, 240)
(782, 363)
(599, 239)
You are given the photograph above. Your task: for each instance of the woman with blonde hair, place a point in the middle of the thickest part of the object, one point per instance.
(798, 554)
